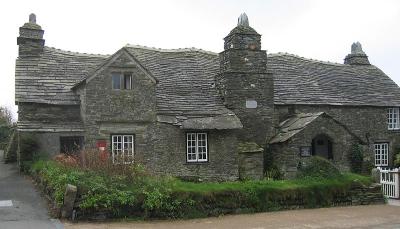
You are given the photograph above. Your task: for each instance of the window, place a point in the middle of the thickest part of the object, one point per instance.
(122, 81)
(393, 119)
(127, 81)
(71, 144)
(381, 154)
(116, 81)
(196, 147)
(122, 148)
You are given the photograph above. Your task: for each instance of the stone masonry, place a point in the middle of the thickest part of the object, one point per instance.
(278, 103)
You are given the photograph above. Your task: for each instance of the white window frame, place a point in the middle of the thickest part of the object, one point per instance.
(123, 148)
(393, 118)
(196, 147)
(381, 154)
(122, 80)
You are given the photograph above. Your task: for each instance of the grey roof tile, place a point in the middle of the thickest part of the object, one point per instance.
(298, 80)
(293, 125)
(186, 80)
(49, 78)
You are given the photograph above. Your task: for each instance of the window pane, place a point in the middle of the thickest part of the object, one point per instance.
(128, 81)
(122, 148)
(202, 146)
(381, 154)
(116, 81)
(191, 147)
(393, 118)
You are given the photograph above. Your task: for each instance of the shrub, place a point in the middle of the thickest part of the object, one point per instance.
(396, 162)
(166, 197)
(10, 154)
(5, 126)
(28, 147)
(318, 167)
(356, 158)
(273, 173)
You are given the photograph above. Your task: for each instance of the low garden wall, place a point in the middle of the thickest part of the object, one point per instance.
(100, 196)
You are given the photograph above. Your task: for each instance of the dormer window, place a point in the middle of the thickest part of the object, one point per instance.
(393, 118)
(122, 81)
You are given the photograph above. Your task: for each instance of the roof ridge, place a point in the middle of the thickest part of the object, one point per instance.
(305, 58)
(76, 53)
(192, 49)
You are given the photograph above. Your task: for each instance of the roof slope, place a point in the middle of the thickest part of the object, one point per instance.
(294, 125)
(186, 80)
(49, 79)
(299, 80)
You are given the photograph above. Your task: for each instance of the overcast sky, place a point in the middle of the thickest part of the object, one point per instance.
(321, 30)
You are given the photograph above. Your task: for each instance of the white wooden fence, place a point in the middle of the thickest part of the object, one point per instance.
(390, 182)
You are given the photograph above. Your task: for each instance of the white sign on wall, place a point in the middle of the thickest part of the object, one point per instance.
(251, 103)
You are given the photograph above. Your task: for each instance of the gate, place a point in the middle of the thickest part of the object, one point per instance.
(390, 182)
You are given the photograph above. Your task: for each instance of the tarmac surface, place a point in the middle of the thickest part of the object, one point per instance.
(21, 206)
(372, 216)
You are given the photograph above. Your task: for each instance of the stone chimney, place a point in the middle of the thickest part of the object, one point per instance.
(245, 84)
(357, 55)
(30, 40)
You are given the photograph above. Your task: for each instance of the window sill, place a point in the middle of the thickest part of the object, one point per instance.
(196, 162)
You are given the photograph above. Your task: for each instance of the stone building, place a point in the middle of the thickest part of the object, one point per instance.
(197, 114)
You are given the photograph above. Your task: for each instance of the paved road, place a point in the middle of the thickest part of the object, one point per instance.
(375, 216)
(28, 210)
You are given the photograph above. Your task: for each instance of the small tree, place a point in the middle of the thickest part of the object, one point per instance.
(6, 116)
(356, 158)
(5, 126)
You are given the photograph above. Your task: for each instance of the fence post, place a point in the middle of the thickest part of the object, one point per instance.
(397, 183)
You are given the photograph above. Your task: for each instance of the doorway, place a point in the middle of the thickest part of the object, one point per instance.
(322, 146)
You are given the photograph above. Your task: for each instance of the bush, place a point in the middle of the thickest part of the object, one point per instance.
(5, 126)
(396, 162)
(10, 154)
(318, 167)
(28, 147)
(356, 158)
(273, 173)
(143, 195)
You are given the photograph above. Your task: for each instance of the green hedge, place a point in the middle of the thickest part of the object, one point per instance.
(164, 197)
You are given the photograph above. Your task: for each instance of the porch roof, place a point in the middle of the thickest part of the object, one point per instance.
(294, 125)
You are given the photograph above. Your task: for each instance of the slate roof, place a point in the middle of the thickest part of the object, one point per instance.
(298, 80)
(49, 79)
(294, 125)
(186, 80)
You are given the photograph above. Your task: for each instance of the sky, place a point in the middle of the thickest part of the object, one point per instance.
(317, 29)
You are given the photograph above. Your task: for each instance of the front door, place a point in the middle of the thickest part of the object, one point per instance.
(322, 146)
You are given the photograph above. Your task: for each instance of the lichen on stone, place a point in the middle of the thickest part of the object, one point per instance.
(249, 147)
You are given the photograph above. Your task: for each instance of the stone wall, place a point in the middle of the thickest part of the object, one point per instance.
(169, 154)
(368, 123)
(105, 105)
(48, 113)
(49, 142)
(160, 147)
(46, 116)
(287, 156)
(251, 165)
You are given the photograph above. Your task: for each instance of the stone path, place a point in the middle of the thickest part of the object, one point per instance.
(21, 206)
(374, 216)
